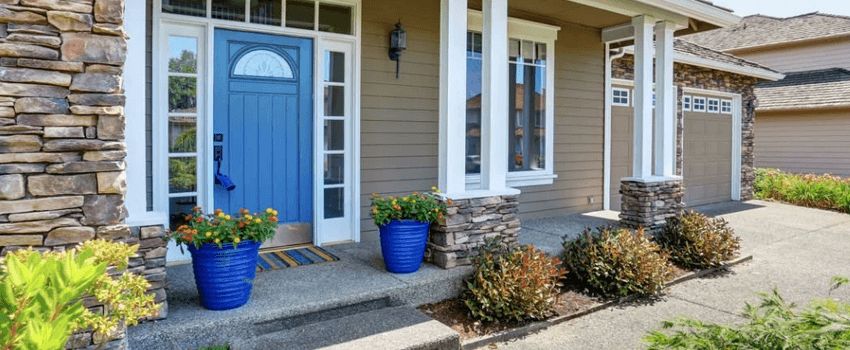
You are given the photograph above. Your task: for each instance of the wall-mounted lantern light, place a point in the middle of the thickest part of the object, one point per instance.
(398, 43)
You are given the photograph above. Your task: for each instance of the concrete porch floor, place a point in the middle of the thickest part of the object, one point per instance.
(357, 281)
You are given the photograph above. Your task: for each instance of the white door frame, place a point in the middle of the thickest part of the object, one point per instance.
(737, 113)
(205, 175)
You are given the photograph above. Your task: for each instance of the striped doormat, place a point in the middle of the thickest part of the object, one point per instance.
(293, 257)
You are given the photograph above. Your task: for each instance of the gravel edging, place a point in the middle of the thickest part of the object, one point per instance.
(482, 341)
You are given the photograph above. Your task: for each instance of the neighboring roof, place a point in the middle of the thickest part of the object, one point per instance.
(696, 55)
(825, 88)
(761, 30)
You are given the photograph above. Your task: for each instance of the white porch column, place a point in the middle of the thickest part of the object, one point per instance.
(494, 101)
(641, 151)
(665, 118)
(452, 148)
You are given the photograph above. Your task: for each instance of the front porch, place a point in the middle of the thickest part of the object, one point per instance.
(299, 298)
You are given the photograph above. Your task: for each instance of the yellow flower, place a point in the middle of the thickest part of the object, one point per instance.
(413, 201)
(208, 234)
(221, 214)
(217, 241)
(274, 212)
(236, 240)
(249, 217)
(257, 221)
(405, 199)
(269, 210)
(227, 217)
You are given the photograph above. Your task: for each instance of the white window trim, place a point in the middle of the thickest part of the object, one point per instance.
(694, 104)
(541, 33)
(205, 147)
(628, 97)
(687, 102)
(708, 105)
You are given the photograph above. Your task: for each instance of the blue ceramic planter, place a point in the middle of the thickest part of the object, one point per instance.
(403, 245)
(225, 275)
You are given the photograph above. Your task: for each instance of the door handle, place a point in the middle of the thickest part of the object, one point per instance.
(221, 179)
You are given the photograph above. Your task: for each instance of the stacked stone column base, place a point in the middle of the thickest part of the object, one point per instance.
(469, 222)
(649, 204)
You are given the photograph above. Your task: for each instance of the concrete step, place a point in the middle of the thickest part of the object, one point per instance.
(391, 328)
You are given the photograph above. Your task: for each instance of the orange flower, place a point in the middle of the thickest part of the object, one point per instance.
(199, 219)
(187, 218)
(218, 211)
(241, 225)
(273, 218)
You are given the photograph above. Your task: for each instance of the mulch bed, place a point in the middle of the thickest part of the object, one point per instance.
(573, 300)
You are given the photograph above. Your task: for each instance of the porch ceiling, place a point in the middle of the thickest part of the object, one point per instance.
(558, 12)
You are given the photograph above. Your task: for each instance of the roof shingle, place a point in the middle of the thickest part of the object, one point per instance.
(759, 30)
(803, 90)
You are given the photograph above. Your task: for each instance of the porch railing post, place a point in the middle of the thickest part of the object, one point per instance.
(643, 64)
(452, 147)
(665, 119)
(494, 106)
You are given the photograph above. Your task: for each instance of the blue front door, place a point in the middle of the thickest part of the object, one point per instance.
(263, 128)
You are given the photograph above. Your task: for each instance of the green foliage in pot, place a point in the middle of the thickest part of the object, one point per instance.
(697, 241)
(41, 294)
(772, 324)
(422, 207)
(220, 228)
(617, 262)
(513, 283)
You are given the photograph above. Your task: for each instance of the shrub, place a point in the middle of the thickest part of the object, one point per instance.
(513, 283)
(773, 324)
(816, 191)
(697, 241)
(617, 262)
(41, 294)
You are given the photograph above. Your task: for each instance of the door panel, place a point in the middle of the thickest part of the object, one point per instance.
(263, 113)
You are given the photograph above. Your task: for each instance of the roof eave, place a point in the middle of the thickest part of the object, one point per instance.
(728, 67)
(697, 10)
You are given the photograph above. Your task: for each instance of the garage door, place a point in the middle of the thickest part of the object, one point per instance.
(708, 158)
(707, 146)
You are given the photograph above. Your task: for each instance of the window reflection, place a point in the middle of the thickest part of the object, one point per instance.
(266, 12)
(527, 105)
(197, 8)
(232, 10)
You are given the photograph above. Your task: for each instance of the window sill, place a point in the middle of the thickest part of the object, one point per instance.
(518, 179)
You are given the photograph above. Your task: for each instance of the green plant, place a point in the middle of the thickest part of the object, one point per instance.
(220, 228)
(697, 241)
(423, 207)
(617, 262)
(41, 294)
(512, 283)
(816, 191)
(773, 324)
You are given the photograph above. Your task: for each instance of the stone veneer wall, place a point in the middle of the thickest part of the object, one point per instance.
(709, 79)
(62, 147)
(469, 222)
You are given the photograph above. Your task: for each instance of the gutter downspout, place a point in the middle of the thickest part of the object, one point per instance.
(609, 59)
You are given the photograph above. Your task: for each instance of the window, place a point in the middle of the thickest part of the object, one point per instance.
(182, 75)
(699, 104)
(263, 63)
(334, 116)
(686, 102)
(530, 102)
(726, 106)
(527, 114)
(713, 105)
(300, 14)
(620, 96)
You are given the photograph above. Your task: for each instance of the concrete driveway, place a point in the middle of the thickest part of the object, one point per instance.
(796, 250)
